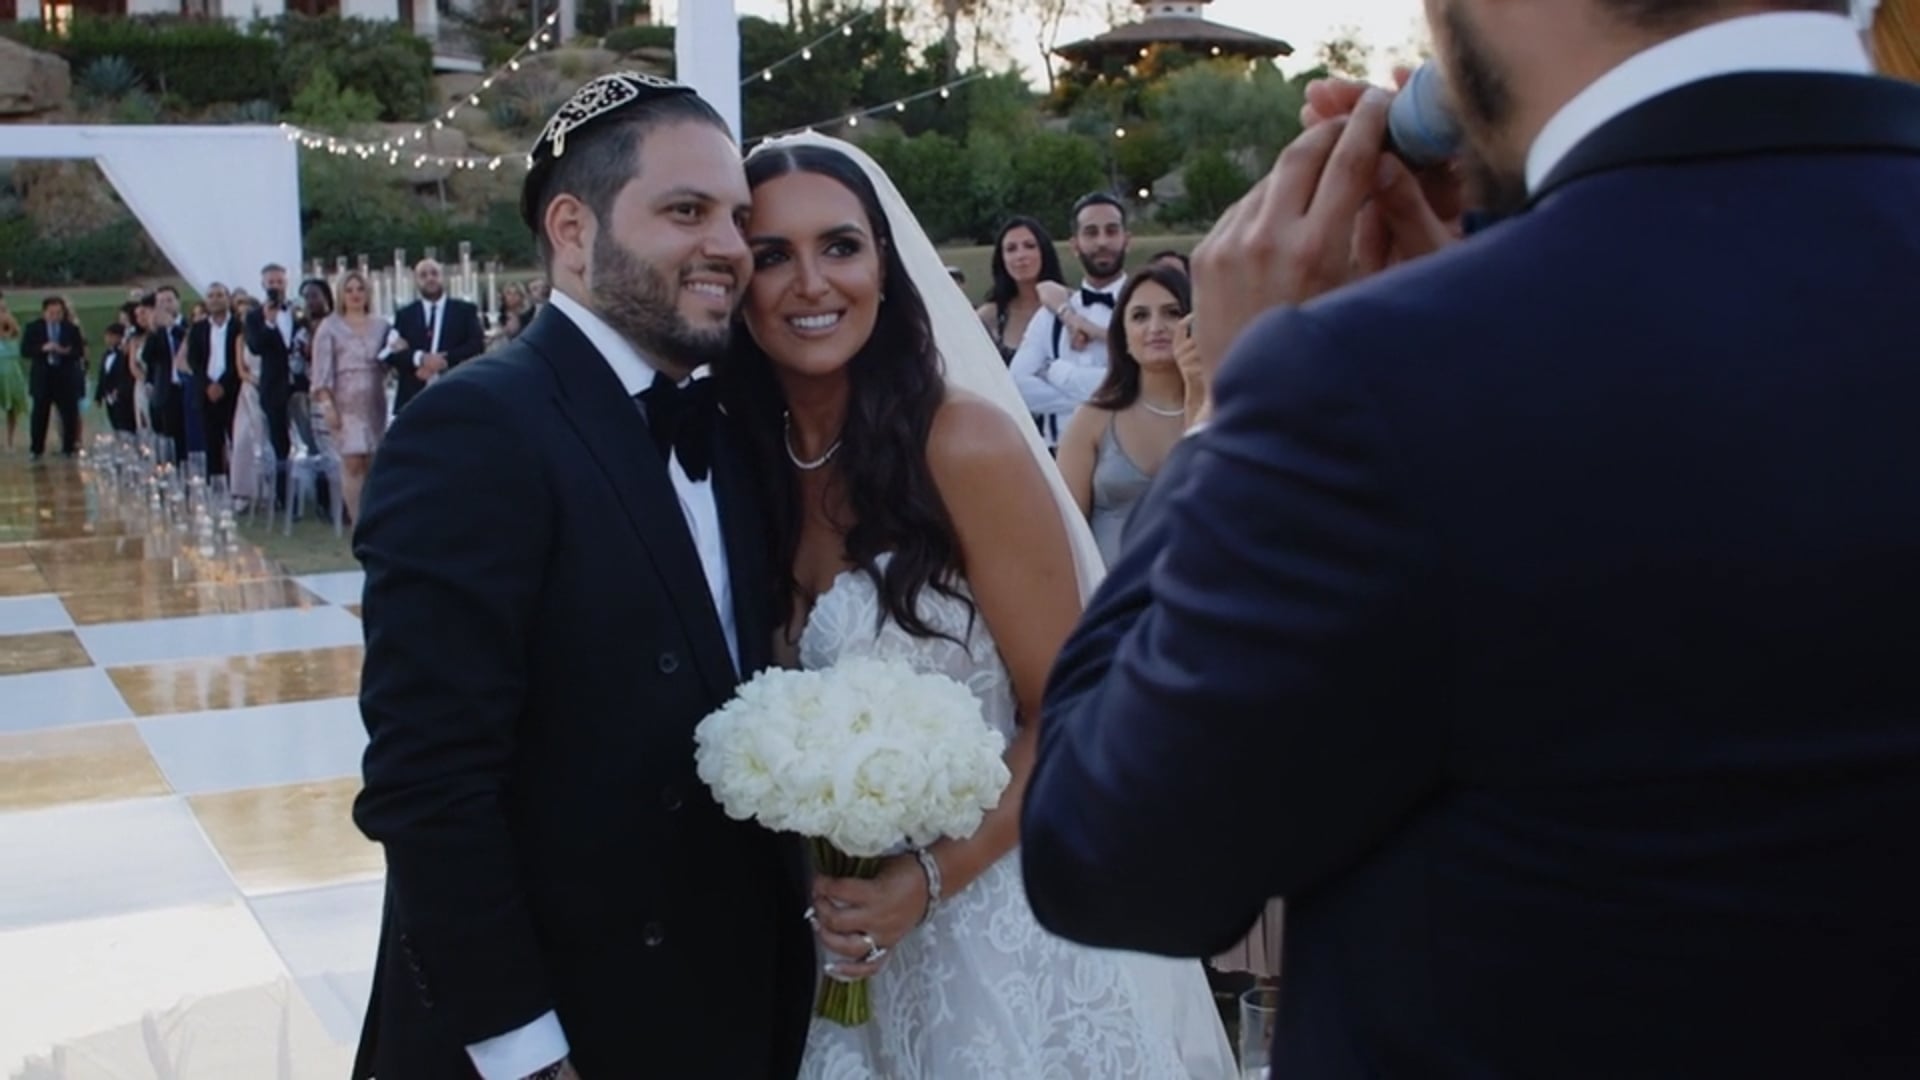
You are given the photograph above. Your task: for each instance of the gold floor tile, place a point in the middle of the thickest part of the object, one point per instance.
(16, 557)
(289, 837)
(178, 601)
(96, 763)
(49, 651)
(101, 576)
(235, 682)
(355, 608)
(92, 549)
(22, 581)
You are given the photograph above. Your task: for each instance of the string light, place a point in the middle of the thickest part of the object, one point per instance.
(315, 140)
(853, 119)
(805, 54)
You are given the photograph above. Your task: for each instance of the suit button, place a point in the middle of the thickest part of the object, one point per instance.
(670, 798)
(654, 935)
(669, 663)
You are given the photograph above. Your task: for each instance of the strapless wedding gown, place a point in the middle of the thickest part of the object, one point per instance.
(981, 991)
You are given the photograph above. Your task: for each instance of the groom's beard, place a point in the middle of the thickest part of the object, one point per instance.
(638, 301)
(1485, 100)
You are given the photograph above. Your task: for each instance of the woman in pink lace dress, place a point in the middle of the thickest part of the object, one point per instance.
(350, 384)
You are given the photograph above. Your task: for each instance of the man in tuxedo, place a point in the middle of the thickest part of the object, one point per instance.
(215, 379)
(438, 333)
(565, 574)
(269, 330)
(1535, 617)
(164, 357)
(113, 391)
(56, 355)
(1062, 359)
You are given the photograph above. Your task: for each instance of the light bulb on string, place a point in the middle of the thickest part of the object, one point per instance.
(806, 54)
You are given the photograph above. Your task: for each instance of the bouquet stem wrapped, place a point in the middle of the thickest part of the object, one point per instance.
(848, 1004)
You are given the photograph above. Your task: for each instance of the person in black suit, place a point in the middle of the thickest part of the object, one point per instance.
(439, 333)
(566, 573)
(1536, 617)
(216, 377)
(57, 356)
(114, 390)
(270, 330)
(164, 357)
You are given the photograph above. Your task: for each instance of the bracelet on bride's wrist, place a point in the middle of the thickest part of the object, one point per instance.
(931, 867)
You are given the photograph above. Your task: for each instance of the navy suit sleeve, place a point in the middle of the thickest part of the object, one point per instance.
(454, 537)
(1248, 705)
(472, 338)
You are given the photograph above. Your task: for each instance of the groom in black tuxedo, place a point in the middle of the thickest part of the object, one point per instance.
(565, 574)
(1537, 617)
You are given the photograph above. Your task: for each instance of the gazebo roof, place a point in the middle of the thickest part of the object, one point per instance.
(1186, 30)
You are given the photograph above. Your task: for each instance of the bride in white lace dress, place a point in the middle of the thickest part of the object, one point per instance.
(923, 522)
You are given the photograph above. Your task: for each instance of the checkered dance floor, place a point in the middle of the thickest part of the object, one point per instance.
(185, 896)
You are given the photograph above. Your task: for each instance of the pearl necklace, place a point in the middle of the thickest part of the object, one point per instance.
(1158, 411)
(786, 437)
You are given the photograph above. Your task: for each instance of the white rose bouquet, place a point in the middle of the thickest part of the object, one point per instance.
(865, 759)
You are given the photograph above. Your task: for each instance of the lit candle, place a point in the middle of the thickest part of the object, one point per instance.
(493, 299)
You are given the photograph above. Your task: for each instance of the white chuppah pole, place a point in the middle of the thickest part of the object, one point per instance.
(706, 55)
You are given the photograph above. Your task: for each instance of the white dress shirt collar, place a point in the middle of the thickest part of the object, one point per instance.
(1782, 41)
(634, 371)
(1111, 288)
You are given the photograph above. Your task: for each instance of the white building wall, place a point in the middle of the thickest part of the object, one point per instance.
(153, 7)
(370, 9)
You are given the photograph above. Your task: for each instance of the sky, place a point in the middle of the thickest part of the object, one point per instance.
(1384, 24)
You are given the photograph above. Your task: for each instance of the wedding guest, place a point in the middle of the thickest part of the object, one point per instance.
(514, 309)
(1117, 441)
(437, 333)
(254, 460)
(216, 382)
(1173, 260)
(165, 360)
(1536, 617)
(1023, 258)
(14, 398)
(316, 303)
(269, 333)
(1062, 358)
(55, 349)
(350, 384)
(114, 390)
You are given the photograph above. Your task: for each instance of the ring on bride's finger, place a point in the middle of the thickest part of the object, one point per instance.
(874, 951)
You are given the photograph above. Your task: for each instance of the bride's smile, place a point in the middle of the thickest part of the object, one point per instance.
(815, 293)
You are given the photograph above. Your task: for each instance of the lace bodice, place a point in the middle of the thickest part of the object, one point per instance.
(981, 991)
(848, 621)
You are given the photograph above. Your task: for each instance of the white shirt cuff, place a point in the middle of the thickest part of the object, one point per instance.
(520, 1053)
(417, 354)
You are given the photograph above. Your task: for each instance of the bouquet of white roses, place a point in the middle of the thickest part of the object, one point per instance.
(864, 759)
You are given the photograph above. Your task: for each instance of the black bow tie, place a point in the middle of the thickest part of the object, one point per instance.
(1089, 298)
(681, 420)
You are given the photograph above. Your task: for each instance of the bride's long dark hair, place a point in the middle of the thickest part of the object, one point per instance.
(895, 386)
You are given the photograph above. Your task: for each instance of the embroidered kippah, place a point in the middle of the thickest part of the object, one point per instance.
(601, 97)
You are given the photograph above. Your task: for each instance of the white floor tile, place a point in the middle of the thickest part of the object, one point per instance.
(327, 938)
(45, 699)
(264, 746)
(73, 863)
(33, 614)
(118, 644)
(340, 588)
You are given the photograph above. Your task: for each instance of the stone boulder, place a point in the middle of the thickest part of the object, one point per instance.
(32, 83)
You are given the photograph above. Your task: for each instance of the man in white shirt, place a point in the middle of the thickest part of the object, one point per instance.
(1548, 601)
(566, 573)
(432, 335)
(211, 357)
(1062, 359)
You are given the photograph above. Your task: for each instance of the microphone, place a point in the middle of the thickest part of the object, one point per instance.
(1422, 129)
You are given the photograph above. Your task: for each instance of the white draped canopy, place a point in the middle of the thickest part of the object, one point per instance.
(221, 202)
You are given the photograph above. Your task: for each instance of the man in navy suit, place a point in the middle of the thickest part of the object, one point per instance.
(1537, 617)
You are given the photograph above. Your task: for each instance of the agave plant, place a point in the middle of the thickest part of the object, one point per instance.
(109, 78)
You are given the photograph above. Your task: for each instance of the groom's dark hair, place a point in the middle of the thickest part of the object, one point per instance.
(601, 159)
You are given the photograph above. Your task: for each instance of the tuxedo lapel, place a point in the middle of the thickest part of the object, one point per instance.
(744, 527)
(1748, 114)
(611, 426)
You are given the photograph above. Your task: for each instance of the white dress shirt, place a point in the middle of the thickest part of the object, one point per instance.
(543, 1042)
(435, 312)
(1781, 41)
(1053, 387)
(216, 349)
(283, 322)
